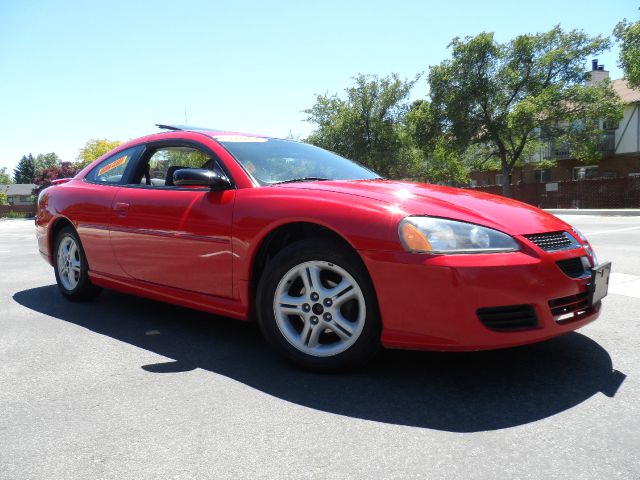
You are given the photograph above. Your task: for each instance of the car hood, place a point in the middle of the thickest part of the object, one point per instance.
(407, 198)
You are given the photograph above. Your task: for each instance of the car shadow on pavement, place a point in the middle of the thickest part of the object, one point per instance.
(457, 392)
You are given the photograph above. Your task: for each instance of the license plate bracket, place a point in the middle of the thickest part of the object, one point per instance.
(599, 285)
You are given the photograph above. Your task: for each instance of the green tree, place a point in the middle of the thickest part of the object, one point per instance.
(367, 126)
(95, 148)
(499, 99)
(49, 174)
(628, 34)
(3, 199)
(440, 161)
(46, 160)
(5, 178)
(26, 170)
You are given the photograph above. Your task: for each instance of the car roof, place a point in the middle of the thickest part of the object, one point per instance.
(212, 132)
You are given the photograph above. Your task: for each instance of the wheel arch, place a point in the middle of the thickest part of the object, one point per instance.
(286, 234)
(56, 225)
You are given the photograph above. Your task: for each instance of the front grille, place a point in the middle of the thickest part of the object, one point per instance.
(507, 318)
(553, 241)
(569, 308)
(573, 267)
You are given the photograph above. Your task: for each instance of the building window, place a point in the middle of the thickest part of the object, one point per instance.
(583, 173)
(499, 179)
(543, 175)
(473, 183)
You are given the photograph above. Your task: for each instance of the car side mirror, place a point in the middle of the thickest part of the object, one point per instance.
(200, 177)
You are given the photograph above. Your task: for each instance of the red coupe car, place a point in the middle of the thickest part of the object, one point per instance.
(331, 259)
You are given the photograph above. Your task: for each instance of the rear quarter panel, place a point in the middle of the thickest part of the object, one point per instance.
(88, 208)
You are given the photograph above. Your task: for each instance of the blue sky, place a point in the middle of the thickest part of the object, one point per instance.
(75, 70)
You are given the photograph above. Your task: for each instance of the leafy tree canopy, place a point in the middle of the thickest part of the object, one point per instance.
(5, 178)
(26, 170)
(501, 98)
(29, 167)
(366, 126)
(46, 160)
(440, 162)
(628, 34)
(95, 148)
(61, 170)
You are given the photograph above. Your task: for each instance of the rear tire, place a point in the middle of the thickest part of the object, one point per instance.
(71, 267)
(316, 306)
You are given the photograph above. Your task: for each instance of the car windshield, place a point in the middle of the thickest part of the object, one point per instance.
(270, 161)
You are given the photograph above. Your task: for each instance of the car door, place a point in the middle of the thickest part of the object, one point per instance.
(174, 236)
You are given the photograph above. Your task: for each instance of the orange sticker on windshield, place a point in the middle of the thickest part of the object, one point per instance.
(112, 165)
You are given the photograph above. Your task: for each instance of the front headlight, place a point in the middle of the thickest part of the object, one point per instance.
(580, 235)
(587, 246)
(442, 236)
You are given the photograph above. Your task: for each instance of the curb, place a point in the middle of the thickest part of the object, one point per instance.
(622, 212)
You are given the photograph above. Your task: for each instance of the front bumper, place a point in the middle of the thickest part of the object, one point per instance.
(432, 302)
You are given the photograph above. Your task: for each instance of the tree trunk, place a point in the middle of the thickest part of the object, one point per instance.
(506, 178)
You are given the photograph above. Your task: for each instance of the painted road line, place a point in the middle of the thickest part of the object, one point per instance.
(604, 232)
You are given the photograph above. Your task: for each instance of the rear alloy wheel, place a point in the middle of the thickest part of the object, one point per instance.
(71, 268)
(317, 306)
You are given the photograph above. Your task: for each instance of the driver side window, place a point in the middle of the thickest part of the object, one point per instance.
(166, 160)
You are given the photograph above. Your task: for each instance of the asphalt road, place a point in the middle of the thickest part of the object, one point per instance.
(125, 388)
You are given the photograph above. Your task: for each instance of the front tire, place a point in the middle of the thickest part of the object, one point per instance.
(71, 267)
(316, 305)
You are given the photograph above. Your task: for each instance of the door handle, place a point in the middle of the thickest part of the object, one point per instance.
(121, 209)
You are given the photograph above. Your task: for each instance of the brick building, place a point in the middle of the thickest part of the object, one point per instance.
(620, 147)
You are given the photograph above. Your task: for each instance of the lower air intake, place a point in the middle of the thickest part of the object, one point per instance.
(508, 318)
(569, 308)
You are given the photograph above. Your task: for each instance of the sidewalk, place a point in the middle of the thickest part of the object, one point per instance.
(624, 284)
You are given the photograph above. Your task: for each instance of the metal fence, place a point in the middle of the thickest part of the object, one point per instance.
(621, 192)
(593, 193)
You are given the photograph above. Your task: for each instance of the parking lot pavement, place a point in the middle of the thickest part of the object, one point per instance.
(122, 388)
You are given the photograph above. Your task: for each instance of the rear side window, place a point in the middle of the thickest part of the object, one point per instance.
(111, 171)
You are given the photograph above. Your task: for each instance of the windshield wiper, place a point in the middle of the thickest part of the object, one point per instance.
(303, 179)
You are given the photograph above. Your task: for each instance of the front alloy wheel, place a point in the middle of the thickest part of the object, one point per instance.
(316, 305)
(319, 308)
